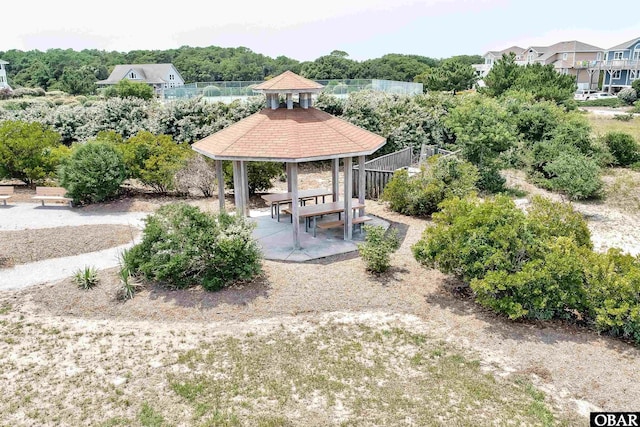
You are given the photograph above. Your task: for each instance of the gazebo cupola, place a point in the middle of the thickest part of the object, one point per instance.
(289, 84)
(292, 135)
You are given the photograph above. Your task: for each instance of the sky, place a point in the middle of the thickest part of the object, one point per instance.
(304, 31)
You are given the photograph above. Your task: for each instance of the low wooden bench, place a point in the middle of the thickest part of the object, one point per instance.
(6, 192)
(359, 220)
(52, 194)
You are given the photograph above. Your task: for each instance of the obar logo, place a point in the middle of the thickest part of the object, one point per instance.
(617, 419)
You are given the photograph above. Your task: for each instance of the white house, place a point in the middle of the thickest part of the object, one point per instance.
(3, 75)
(159, 76)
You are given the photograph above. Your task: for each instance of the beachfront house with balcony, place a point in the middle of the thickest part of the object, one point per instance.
(620, 65)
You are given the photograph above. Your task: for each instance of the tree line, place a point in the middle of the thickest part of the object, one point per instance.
(76, 72)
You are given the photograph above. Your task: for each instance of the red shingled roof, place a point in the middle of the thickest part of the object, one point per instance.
(289, 135)
(288, 81)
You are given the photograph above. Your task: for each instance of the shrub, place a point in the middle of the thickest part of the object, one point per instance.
(211, 91)
(636, 85)
(260, 175)
(628, 95)
(28, 91)
(183, 246)
(604, 102)
(26, 151)
(624, 148)
(93, 172)
(128, 89)
(6, 93)
(377, 248)
(575, 175)
(198, 173)
(86, 278)
(623, 117)
(155, 159)
(613, 292)
(550, 220)
(440, 178)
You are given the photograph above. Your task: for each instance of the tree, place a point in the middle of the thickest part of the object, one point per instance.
(502, 76)
(127, 89)
(452, 75)
(78, 81)
(545, 83)
(27, 151)
(483, 130)
(155, 159)
(330, 67)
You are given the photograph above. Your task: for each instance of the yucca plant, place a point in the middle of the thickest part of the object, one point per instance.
(86, 278)
(128, 285)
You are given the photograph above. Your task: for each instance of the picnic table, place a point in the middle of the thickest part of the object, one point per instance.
(277, 199)
(310, 213)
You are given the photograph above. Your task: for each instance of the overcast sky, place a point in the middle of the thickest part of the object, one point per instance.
(304, 30)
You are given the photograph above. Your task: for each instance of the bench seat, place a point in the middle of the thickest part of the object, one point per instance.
(6, 192)
(340, 223)
(52, 194)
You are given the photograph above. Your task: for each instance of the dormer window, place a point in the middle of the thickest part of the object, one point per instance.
(133, 75)
(565, 56)
(172, 77)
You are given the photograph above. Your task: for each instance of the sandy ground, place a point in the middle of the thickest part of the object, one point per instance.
(579, 369)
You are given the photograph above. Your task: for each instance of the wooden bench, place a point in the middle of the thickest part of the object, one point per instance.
(359, 220)
(52, 194)
(6, 192)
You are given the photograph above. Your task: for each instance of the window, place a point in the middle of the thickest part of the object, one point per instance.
(530, 57)
(1, 79)
(633, 75)
(598, 56)
(636, 54)
(171, 77)
(617, 56)
(616, 75)
(565, 56)
(133, 75)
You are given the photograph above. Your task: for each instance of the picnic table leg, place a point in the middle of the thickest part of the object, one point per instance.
(42, 201)
(314, 226)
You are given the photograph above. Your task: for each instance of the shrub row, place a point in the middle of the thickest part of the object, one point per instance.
(538, 265)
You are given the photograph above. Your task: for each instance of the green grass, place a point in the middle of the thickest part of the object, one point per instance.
(340, 376)
(604, 124)
(148, 417)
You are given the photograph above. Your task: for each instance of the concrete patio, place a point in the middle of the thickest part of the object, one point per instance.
(275, 238)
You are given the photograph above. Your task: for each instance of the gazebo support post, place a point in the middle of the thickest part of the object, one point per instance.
(295, 203)
(348, 186)
(362, 183)
(220, 177)
(244, 182)
(335, 179)
(237, 187)
(288, 167)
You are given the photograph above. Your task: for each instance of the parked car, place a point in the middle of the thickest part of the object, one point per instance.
(585, 95)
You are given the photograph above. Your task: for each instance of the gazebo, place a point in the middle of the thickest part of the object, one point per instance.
(291, 133)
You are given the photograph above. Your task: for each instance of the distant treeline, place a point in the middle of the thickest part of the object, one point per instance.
(76, 72)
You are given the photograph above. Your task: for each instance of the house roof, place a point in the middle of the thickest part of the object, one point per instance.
(625, 45)
(150, 73)
(289, 82)
(498, 53)
(568, 46)
(289, 135)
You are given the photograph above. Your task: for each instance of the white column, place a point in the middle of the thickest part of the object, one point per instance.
(295, 205)
(220, 178)
(244, 178)
(335, 179)
(289, 101)
(237, 188)
(304, 103)
(348, 183)
(362, 182)
(288, 167)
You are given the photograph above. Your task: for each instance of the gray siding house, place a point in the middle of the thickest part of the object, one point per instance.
(159, 76)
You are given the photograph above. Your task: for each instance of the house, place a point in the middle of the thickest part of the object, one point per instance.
(4, 83)
(620, 65)
(492, 56)
(159, 76)
(567, 57)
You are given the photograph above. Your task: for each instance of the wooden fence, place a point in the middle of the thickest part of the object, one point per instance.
(378, 172)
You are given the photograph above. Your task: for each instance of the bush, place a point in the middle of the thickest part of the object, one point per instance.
(575, 175)
(93, 172)
(377, 248)
(260, 175)
(624, 148)
(28, 91)
(183, 246)
(440, 178)
(27, 151)
(86, 278)
(604, 102)
(6, 93)
(628, 95)
(155, 159)
(198, 173)
(550, 220)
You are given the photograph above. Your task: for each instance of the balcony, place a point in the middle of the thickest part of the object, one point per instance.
(616, 64)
